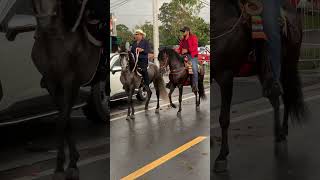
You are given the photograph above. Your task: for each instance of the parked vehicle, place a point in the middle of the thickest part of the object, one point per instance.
(204, 55)
(21, 97)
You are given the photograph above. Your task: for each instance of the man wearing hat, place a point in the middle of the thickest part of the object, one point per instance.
(189, 46)
(142, 46)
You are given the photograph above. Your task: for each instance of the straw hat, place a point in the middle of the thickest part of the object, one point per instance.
(139, 31)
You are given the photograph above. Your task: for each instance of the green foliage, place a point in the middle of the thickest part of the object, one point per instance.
(124, 33)
(179, 13)
(147, 27)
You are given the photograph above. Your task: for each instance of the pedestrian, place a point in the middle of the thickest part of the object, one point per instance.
(189, 46)
(142, 46)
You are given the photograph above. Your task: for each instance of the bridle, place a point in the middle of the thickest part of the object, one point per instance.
(49, 15)
(166, 59)
(127, 65)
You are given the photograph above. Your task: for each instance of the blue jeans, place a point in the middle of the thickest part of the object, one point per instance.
(271, 14)
(195, 71)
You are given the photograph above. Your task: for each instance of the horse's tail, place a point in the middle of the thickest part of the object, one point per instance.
(293, 96)
(202, 93)
(160, 86)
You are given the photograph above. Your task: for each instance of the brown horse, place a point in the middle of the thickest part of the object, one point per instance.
(179, 75)
(67, 60)
(232, 44)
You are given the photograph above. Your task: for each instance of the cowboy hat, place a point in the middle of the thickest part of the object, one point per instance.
(139, 31)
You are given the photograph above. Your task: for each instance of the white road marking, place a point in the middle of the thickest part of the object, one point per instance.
(138, 112)
(261, 112)
(51, 171)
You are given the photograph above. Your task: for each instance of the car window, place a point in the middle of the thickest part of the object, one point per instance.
(117, 62)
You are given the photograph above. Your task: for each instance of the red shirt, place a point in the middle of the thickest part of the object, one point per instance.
(191, 44)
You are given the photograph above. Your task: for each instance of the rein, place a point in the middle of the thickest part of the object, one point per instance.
(232, 28)
(135, 65)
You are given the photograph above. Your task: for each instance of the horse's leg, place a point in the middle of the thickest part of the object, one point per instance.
(180, 97)
(158, 94)
(275, 102)
(73, 171)
(226, 85)
(285, 122)
(197, 101)
(131, 104)
(65, 105)
(148, 99)
(172, 87)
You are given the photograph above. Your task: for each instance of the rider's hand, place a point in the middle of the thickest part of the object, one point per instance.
(139, 50)
(184, 51)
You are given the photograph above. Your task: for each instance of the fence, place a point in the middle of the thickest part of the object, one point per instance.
(310, 15)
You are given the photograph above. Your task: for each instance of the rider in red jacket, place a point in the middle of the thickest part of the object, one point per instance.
(189, 46)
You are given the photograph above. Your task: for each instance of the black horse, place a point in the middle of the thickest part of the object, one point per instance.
(232, 43)
(67, 60)
(179, 75)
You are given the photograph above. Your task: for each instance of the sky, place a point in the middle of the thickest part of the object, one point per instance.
(136, 12)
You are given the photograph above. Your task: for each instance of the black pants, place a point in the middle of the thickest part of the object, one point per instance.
(143, 65)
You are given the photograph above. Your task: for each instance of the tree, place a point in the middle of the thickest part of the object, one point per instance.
(147, 27)
(124, 33)
(179, 13)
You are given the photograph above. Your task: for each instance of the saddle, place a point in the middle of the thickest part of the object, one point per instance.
(253, 8)
(188, 64)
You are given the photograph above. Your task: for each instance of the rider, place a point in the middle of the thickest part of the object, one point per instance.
(142, 46)
(271, 14)
(189, 46)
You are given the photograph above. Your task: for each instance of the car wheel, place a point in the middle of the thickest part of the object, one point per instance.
(97, 108)
(142, 94)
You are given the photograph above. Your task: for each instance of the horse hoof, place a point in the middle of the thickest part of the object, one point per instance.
(179, 113)
(157, 111)
(197, 108)
(72, 174)
(128, 118)
(173, 105)
(146, 108)
(220, 166)
(58, 176)
(132, 117)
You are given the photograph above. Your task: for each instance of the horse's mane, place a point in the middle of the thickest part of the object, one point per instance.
(171, 53)
(70, 12)
(131, 58)
(131, 61)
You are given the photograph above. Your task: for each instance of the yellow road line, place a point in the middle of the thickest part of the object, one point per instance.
(163, 159)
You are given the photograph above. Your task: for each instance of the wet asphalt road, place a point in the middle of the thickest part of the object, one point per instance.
(138, 142)
(252, 151)
(28, 150)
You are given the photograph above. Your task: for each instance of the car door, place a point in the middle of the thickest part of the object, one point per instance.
(18, 75)
(115, 73)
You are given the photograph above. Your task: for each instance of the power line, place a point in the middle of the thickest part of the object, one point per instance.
(116, 3)
(119, 4)
(122, 4)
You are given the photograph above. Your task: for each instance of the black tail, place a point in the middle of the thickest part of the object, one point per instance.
(202, 93)
(292, 97)
(160, 85)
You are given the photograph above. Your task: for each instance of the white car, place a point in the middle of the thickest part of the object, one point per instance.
(117, 91)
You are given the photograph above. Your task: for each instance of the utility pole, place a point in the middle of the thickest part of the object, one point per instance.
(155, 31)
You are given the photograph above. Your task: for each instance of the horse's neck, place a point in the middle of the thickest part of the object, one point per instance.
(175, 63)
(225, 13)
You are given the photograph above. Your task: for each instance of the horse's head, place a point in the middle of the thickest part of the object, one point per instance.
(163, 58)
(124, 61)
(46, 11)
